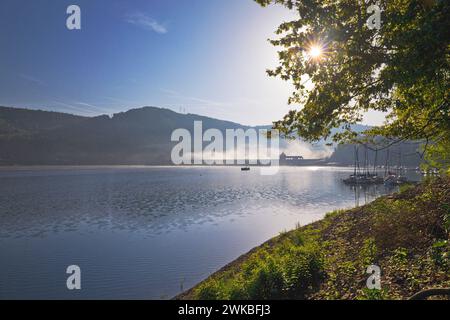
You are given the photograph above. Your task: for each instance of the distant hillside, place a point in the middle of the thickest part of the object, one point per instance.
(136, 137)
(402, 154)
(23, 121)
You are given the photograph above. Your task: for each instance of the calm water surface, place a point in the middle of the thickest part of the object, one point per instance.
(149, 232)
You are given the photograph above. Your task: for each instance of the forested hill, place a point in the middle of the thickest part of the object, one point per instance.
(407, 153)
(136, 137)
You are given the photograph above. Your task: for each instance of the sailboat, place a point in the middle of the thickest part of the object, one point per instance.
(394, 178)
(363, 176)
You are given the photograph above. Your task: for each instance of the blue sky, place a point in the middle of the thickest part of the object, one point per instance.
(200, 56)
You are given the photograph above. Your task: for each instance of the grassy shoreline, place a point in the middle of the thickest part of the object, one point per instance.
(406, 234)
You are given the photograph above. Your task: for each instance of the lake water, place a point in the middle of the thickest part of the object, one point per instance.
(149, 232)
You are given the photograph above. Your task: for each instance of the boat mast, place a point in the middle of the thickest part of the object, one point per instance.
(375, 163)
(366, 161)
(357, 161)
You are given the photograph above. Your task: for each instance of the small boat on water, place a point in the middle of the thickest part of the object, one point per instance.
(245, 169)
(363, 176)
(363, 179)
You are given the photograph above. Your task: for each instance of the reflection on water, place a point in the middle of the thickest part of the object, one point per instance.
(140, 232)
(366, 193)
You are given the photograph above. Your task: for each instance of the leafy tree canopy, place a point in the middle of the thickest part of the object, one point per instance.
(340, 68)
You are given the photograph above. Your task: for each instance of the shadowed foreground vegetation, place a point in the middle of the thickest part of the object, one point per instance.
(406, 234)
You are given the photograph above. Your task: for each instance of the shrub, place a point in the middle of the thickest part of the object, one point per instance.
(368, 253)
(287, 271)
(208, 291)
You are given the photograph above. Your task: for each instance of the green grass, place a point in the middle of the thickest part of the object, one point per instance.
(287, 270)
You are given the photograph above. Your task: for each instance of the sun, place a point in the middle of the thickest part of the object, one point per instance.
(315, 52)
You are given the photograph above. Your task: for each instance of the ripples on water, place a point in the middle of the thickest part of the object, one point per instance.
(141, 232)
